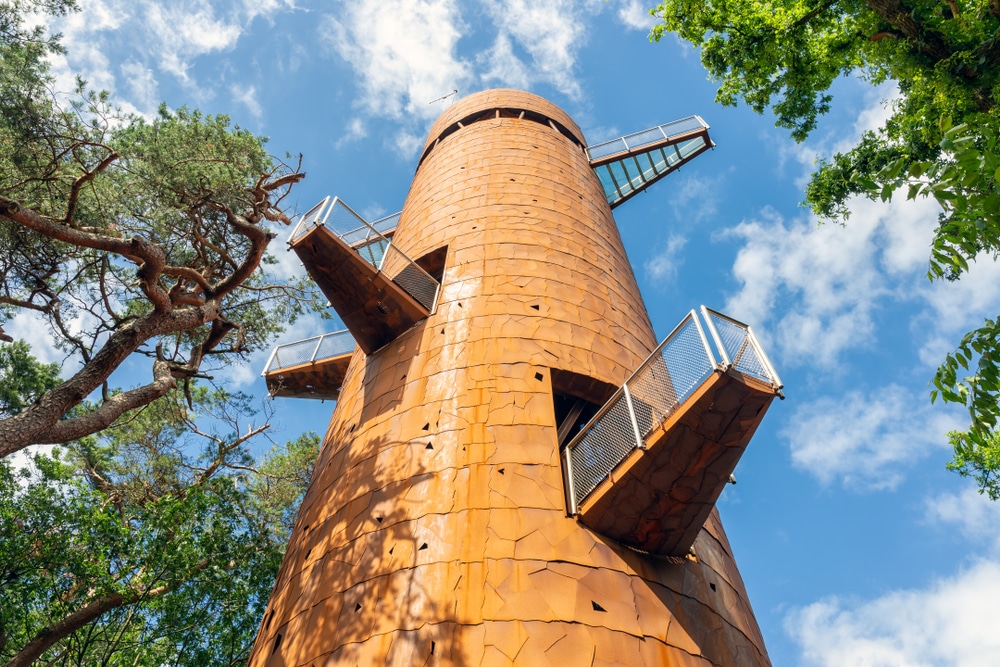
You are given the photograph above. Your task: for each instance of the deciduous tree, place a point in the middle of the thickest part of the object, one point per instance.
(156, 542)
(940, 141)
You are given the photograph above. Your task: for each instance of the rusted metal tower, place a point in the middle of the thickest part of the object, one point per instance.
(515, 472)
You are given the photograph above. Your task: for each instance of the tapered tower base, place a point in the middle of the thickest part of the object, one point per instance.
(435, 530)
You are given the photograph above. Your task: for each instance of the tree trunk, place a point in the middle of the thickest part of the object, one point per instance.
(47, 637)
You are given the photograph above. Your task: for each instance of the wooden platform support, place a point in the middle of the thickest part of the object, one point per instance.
(374, 308)
(320, 379)
(658, 498)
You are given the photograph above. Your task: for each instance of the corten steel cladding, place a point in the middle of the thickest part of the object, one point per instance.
(435, 528)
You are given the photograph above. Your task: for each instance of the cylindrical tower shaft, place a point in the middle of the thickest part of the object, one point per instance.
(435, 528)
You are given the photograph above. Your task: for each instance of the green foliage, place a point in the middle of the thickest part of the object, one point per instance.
(941, 140)
(152, 231)
(22, 378)
(190, 542)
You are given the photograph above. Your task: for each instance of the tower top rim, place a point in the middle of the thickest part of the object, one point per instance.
(501, 98)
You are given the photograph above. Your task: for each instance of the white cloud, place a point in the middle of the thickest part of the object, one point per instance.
(973, 514)
(826, 281)
(956, 307)
(182, 31)
(32, 327)
(247, 96)
(162, 37)
(142, 86)
(951, 623)
(407, 143)
(355, 130)
(866, 441)
(662, 268)
(503, 66)
(692, 198)
(634, 14)
(551, 32)
(403, 51)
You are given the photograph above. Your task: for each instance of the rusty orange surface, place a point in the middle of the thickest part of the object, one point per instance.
(317, 379)
(659, 497)
(434, 530)
(371, 305)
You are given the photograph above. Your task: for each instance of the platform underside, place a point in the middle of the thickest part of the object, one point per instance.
(374, 308)
(320, 379)
(659, 497)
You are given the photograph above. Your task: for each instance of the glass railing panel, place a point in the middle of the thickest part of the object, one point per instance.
(607, 148)
(637, 140)
(689, 147)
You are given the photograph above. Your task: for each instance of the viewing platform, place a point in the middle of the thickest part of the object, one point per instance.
(310, 368)
(375, 288)
(648, 468)
(628, 165)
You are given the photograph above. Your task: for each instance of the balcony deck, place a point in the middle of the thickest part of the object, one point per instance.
(649, 467)
(352, 267)
(310, 368)
(628, 165)
(658, 497)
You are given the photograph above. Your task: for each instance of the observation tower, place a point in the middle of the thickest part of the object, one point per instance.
(516, 472)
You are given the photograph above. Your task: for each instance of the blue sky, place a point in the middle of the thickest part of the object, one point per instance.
(856, 546)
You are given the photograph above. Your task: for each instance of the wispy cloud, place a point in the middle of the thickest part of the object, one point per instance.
(551, 32)
(662, 268)
(950, 623)
(164, 38)
(819, 285)
(971, 513)
(247, 96)
(404, 53)
(634, 14)
(866, 441)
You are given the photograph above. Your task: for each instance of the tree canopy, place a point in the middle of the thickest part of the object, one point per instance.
(132, 238)
(156, 542)
(940, 141)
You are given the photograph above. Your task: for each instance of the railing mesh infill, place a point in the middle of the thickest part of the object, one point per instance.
(739, 347)
(417, 282)
(369, 241)
(600, 448)
(311, 218)
(316, 348)
(668, 377)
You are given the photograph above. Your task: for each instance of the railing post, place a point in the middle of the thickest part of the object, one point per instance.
(715, 336)
(319, 342)
(570, 486)
(764, 358)
(639, 443)
(270, 359)
(704, 339)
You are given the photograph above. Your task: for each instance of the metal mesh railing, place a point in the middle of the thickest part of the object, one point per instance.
(739, 347)
(636, 140)
(312, 218)
(370, 241)
(418, 283)
(675, 369)
(310, 350)
(370, 231)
